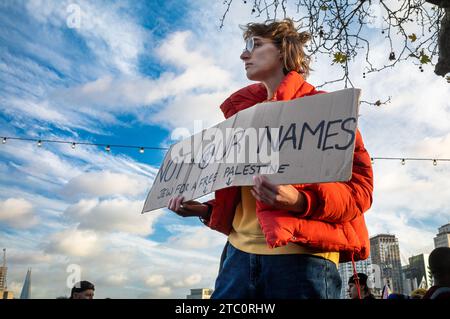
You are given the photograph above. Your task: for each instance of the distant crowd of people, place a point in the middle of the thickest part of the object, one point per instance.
(358, 285)
(439, 263)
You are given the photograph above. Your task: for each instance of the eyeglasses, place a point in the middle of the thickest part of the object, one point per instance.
(250, 44)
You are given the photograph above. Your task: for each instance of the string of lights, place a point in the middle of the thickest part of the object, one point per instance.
(142, 149)
(74, 144)
(404, 159)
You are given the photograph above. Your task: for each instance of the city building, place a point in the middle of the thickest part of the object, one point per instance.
(442, 239)
(26, 289)
(362, 266)
(385, 253)
(408, 284)
(200, 293)
(417, 273)
(4, 292)
(3, 272)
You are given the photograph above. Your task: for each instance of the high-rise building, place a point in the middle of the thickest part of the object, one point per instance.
(3, 271)
(408, 284)
(346, 272)
(200, 293)
(26, 289)
(385, 253)
(417, 273)
(442, 239)
(7, 295)
(4, 293)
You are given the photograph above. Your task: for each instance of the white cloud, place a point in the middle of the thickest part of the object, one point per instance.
(72, 242)
(194, 237)
(102, 183)
(189, 281)
(155, 280)
(45, 166)
(39, 111)
(117, 279)
(193, 280)
(412, 240)
(112, 215)
(200, 69)
(162, 292)
(97, 159)
(197, 72)
(23, 257)
(31, 77)
(108, 30)
(106, 260)
(85, 106)
(17, 212)
(199, 107)
(436, 146)
(62, 170)
(397, 184)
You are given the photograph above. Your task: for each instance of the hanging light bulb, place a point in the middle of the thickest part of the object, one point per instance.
(108, 148)
(141, 150)
(403, 161)
(372, 161)
(39, 143)
(434, 162)
(4, 140)
(392, 56)
(73, 146)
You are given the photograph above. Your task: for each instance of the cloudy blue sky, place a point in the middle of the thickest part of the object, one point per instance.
(133, 72)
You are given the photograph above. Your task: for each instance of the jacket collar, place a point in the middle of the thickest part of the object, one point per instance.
(292, 86)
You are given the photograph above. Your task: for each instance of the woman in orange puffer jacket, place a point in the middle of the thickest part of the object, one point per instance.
(284, 241)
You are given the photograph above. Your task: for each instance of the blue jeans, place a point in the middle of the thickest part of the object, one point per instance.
(296, 276)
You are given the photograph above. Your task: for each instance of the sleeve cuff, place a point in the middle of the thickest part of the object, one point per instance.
(208, 215)
(311, 202)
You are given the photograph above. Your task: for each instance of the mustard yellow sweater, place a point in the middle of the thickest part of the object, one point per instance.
(247, 234)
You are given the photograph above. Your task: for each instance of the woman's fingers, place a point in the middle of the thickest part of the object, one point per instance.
(188, 208)
(169, 204)
(178, 202)
(262, 197)
(264, 186)
(175, 203)
(264, 192)
(268, 185)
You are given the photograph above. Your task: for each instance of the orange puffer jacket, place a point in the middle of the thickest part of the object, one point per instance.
(333, 220)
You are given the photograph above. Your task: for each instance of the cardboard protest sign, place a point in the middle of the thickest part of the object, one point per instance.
(306, 140)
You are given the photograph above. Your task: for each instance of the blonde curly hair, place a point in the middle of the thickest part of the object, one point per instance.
(287, 39)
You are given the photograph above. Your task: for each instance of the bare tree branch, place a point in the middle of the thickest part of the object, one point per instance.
(341, 29)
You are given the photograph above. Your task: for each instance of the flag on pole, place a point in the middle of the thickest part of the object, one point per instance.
(423, 283)
(386, 292)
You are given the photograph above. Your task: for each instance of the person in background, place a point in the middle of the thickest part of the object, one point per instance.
(82, 290)
(365, 291)
(418, 293)
(439, 263)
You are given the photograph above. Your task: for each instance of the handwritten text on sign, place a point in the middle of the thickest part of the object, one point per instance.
(307, 140)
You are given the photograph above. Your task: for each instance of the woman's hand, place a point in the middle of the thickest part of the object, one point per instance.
(189, 208)
(278, 196)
